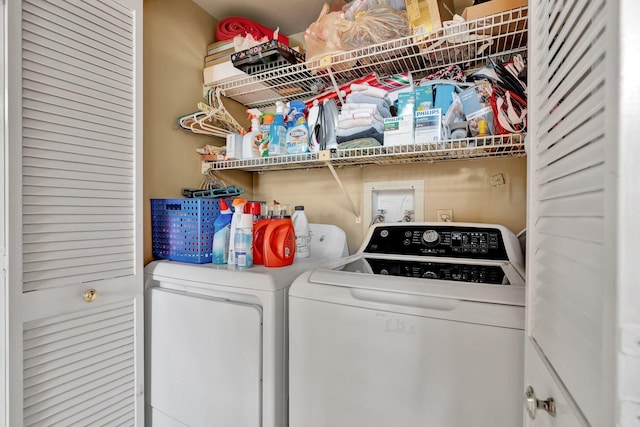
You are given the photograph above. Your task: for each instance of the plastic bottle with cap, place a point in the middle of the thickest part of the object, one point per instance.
(221, 230)
(251, 140)
(277, 132)
(302, 231)
(265, 129)
(238, 209)
(244, 242)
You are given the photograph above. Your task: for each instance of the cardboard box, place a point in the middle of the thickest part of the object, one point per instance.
(427, 127)
(398, 130)
(427, 15)
(491, 8)
(219, 72)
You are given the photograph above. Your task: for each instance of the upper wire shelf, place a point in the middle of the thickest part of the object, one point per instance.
(466, 44)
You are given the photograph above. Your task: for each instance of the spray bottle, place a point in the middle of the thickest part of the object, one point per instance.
(251, 141)
(277, 132)
(265, 130)
(221, 229)
(238, 210)
(298, 133)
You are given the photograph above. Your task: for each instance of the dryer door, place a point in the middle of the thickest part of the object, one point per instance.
(205, 360)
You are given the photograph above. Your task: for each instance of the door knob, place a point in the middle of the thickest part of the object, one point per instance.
(90, 295)
(532, 404)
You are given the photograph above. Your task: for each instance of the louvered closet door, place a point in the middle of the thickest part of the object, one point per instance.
(80, 212)
(572, 195)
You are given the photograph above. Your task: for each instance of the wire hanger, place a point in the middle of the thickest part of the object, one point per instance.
(212, 118)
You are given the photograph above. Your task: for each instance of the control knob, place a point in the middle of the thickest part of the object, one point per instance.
(431, 237)
(429, 275)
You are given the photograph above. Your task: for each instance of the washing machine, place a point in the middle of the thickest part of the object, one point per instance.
(216, 339)
(422, 326)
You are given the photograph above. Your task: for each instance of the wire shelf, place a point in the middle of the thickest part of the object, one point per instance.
(457, 149)
(466, 44)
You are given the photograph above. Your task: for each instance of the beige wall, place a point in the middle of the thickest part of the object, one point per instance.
(176, 35)
(463, 186)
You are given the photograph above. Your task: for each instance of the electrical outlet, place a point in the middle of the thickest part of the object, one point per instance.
(445, 215)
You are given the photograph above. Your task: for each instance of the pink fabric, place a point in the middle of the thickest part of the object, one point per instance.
(232, 26)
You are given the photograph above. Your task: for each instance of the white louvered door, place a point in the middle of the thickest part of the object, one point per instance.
(75, 234)
(583, 169)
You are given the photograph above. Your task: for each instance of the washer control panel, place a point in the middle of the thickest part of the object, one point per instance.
(439, 271)
(441, 241)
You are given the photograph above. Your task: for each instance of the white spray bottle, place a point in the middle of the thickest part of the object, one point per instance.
(251, 140)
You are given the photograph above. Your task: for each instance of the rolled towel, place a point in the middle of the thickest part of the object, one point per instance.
(368, 90)
(232, 26)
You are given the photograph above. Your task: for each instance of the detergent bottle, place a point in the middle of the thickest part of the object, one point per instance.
(302, 231)
(298, 133)
(221, 230)
(251, 140)
(279, 245)
(238, 211)
(277, 132)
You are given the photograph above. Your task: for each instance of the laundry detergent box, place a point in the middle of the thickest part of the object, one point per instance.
(428, 127)
(398, 130)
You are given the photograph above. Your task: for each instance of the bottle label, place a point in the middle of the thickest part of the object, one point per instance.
(302, 245)
(244, 249)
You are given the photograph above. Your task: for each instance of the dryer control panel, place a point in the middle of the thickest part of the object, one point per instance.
(439, 241)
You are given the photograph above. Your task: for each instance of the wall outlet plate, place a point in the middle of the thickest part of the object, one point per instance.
(444, 215)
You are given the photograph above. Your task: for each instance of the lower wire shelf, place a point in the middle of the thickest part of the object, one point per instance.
(457, 149)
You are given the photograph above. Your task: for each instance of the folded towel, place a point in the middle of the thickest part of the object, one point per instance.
(359, 143)
(350, 131)
(368, 133)
(360, 114)
(382, 105)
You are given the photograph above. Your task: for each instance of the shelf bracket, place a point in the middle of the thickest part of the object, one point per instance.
(354, 208)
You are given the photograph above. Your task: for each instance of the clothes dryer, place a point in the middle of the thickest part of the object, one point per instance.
(216, 339)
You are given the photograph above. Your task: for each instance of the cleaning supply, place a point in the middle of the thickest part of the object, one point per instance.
(265, 129)
(259, 229)
(221, 230)
(302, 232)
(298, 133)
(277, 132)
(279, 243)
(243, 242)
(251, 140)
(238, 210)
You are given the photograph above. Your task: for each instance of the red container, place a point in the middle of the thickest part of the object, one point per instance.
(279, 246)
(259, 229)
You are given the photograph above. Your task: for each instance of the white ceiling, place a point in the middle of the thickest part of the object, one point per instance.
(290, 15)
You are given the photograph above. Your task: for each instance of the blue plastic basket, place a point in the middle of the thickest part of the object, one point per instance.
(182, 229)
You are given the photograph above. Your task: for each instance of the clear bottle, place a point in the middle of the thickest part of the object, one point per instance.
(244, 242)
(277, 132)
(302, 231)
